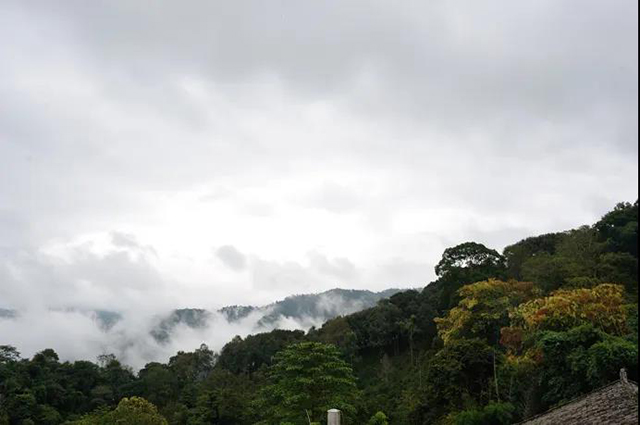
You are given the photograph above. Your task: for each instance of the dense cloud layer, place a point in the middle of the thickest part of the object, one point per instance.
(203, 153)
(138, 336)
(78, 335)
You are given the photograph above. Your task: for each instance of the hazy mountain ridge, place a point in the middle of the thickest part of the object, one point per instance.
(294, 312)
(298, 306)
(301, 311)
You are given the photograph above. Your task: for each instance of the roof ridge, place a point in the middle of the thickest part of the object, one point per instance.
(574, 400)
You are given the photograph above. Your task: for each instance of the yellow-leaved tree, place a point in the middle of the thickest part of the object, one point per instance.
(484, 309)
(603, 306)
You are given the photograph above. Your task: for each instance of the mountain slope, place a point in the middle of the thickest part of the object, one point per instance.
(297, 311)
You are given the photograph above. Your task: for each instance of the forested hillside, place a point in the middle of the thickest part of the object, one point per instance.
(140, 336)
(497, 337)
(303, 310)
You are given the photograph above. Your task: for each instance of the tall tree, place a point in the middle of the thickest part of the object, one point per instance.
(306, 380)
(464, 264)
(471, 256)
(484, 309)
(603, 307)
(619, 228)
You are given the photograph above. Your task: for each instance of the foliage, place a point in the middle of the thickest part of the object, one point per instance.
(619, 228)
(576, 256)
(491, 414)
(130, 411)
(305, 381)
(516, 254)
(604, 252)
(602, 306)
(467, 256)
(225, 397)
(573, 361)
(483, 309)
(459, 372)
(378, 419)
(8, 354)
(377, 327)
(461, 265)
(339, 333)
(545, 269)
(250, 354)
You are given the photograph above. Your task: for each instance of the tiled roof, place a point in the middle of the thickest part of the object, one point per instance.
(616, 403)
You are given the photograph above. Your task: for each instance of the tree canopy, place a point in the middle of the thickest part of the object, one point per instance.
(305, 381)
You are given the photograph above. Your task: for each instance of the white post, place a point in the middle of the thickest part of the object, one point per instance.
(333, 417)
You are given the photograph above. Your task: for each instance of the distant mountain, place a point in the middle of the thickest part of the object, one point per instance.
(191, 317)
(294, 312)
(106, 319)
(302, 311)
(235, 313)
(322, 307)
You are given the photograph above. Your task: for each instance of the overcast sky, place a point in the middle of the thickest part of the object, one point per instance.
(203, 153)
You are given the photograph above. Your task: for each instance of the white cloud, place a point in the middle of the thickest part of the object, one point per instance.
(332, 144)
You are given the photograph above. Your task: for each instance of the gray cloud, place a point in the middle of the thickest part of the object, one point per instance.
(340, 268)
(111, 280)
(496, 65)
(231, 257)
(337, 143)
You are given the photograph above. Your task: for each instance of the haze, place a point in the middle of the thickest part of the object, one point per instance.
(156, 155)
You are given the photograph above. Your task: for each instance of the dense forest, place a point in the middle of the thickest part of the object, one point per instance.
(497, 337)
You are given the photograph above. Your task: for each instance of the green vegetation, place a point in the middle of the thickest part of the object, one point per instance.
(308, 378)
(134, 410)
(378, 419)
(496, 338)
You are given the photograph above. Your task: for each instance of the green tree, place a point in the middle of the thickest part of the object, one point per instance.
(21, 406)
(580, 253)
(410, 328)
(130, 411)
(470, 256)
(378, 419)
(158, 384)
(518, 253)
(250, 354)
(48, 415)
(378, 326)
(620, 267)
(461, 371)
(8, 354)
(464, 264)
(306, 380)
(337, 332)
(619, 228)
(544, 269)
(193, 366)
(491, 414)
(578, 360)
(117, 377)
(225, 398)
